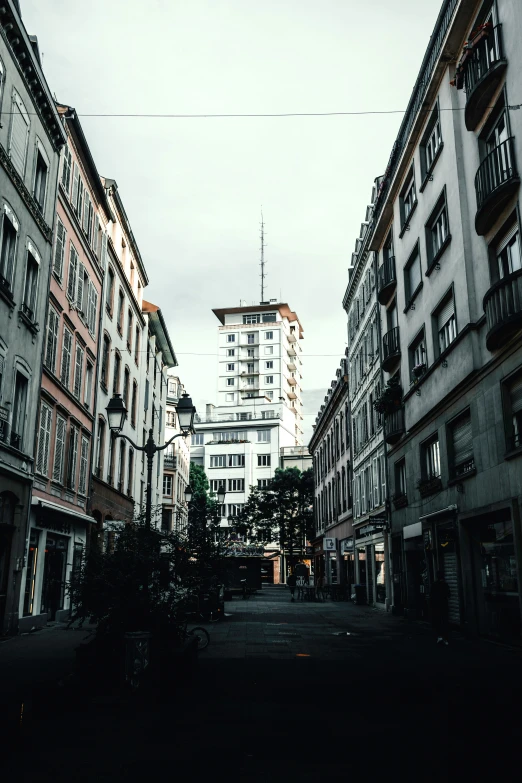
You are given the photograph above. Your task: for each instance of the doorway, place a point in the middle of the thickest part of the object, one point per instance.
(362, 570)
(55, 562)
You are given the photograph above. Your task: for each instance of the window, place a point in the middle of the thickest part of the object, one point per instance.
(78, 371)
(431, 460)
(461, 445)
(269, 365)
(92, 307)
(167, 485)
(104, 376)
(217, 484)
(263, 460)
(129, 329)
(268, 317)
(19, 134)
(263, 483)
(252, 319)
(72, 457)
(59, 449)
(53, 321)
(116, 376)
(197, 439)
(231, 351)
(251, 339)
(269, 379)
(431, 143)
(250, 353)
(243, 416)
(230, 381)
(508, 258)
(229, 397)
(437, 232)
(110, 291)
(8, 251)
(231, 338)
(400, 477)
(269, 335)
(269, 394)
(236, 485)
(418, 355)
(250, 381)
(40, 176)
(121, 470)
(218, 461)
(263, 436)
(88, 384)
(446, 326)
(269, 349)
(234, 509)
(126, 387)
(137, 343)
(121, 301)
(407, 199)
(65, 368)
(225, 436)
(31, 282)
(268, 415)
(412, 276)
(236, 461)
(66, 169)
(44, 438)
(514, 408)
(231, 367)
(250, 367)
(59, 249)
(82, 281)
(72, 274)
(84, 461)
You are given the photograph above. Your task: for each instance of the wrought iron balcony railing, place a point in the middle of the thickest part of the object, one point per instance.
(391, 348)
(482, 74)
(386, 280)
(503, 308)
(495, 182)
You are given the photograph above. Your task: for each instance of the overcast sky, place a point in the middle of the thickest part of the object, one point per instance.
(193, 188)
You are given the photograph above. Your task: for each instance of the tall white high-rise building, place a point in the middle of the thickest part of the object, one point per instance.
(239, 441)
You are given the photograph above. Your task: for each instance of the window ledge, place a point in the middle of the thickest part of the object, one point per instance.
(408, 220)
(58, 279)
(435, 260)
(513, 453)
(413, 297)
(427, 176)
(31, 325)
(7, 296)
(457, 479)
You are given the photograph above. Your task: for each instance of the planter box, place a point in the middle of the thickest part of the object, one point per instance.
(430, 487)
(400, 501)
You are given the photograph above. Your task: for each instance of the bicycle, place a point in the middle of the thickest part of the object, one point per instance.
(200, 633)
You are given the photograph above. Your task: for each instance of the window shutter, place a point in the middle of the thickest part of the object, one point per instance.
(80, 287)
(78, 368)
(515, 395)
(66, 169)
(103, 253)
(146, 404)
(66, 358)
(446, 312)
(73, 273)
(414, 274)
(59, 449)
(59, 249)
(85, 217)
(376, 487)
(83, 466)
(383, 478)
(73, 455)
(76, 185)
(52, 337)
(19, 134)
(90, 230)
(462, 441)
(79, 204)
(44, 435)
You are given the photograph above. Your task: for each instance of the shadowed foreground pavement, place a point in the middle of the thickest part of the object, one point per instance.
(285, 692)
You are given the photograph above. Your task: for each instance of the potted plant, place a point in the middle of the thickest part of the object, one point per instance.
(400, 500)
(418, 371)
(429, 485)
(390, 398)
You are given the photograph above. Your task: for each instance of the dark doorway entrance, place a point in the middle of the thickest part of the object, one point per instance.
(6, 535)
(54, 574)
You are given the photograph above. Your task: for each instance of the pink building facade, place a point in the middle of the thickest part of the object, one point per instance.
(60, 519)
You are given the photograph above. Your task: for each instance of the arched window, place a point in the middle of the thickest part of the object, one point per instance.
(104, 378)
(117, 371)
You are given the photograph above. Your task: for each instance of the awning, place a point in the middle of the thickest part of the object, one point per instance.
(39, 502)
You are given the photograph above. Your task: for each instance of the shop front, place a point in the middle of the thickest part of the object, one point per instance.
(371, 561)
(348, 561)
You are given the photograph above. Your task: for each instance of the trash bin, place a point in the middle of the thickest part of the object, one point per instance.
(358, 594)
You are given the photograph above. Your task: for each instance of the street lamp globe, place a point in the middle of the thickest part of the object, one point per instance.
(188, 493)
(221, 494)
(116, 413)
(185, 411)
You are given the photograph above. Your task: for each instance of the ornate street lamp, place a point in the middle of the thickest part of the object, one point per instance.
(188, 493)
(117, 413)
(221, 494)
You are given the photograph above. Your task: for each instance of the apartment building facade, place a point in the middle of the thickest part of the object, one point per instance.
(446, 231)
(370, 514)
(31, 137)
(60, 519)
(334, 543)
(239, 441)
(176, 463)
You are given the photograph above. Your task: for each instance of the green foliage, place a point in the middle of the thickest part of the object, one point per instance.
(283, 510)
(203, 525)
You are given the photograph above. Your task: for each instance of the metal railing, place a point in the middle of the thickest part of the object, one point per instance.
(15, 440)
(503, 306)
(497, 168)
(394, 425)
(386, 275)
(391, 345)
(484, 55)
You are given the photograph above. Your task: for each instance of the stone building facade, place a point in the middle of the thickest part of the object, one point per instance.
(176, 463)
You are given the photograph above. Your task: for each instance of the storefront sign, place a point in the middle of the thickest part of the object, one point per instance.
(329, 544)
(368, 530)
(309, 550)
(54, 524)
(240, 549)
(347, 546)
(379, 520)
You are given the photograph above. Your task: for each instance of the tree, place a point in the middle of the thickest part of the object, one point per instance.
(284, 510)
(203, 525)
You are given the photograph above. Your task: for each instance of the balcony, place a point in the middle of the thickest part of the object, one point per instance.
(483, 71)
(291, 380)
(4, 431)
(386, 280)
(503, 308)
(170, 461)
(291, 337)
(291, 364)
(291, 350)
(496, 182)
(394, 426)
(291, 394)
(391, 348)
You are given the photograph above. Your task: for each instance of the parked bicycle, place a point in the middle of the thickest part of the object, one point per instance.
(201, 634)
(246, 591)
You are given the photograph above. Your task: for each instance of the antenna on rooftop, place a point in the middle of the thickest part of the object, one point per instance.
(263, 275)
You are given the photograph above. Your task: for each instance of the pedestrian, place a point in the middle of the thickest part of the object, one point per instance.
(291, 582)
(319, 587)
(439, 601)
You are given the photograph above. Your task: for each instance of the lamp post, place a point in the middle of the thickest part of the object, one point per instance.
(117, 413)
